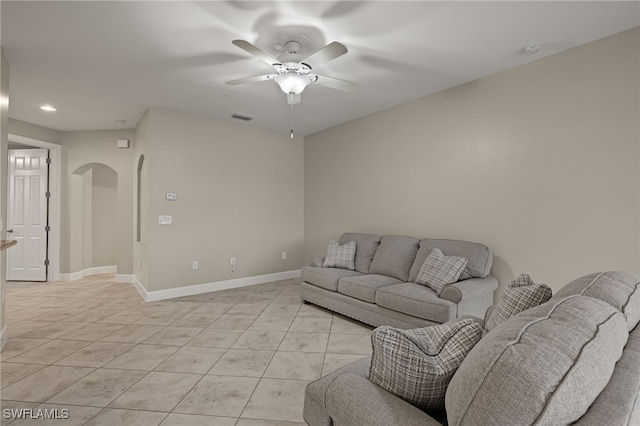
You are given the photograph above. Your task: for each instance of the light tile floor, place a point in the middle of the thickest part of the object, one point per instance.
(233, 357)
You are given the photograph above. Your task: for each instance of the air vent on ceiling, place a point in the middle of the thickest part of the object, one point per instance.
(243, 117)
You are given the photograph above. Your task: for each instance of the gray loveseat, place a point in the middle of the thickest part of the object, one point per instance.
(572, 360)
(382, 289)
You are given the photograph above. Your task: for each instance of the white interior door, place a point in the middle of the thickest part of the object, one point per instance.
(27, 215)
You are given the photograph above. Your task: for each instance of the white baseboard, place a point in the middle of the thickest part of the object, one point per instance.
(3, 337)
(153, 296)
(125, 278)
(138, 285)
(73, 276)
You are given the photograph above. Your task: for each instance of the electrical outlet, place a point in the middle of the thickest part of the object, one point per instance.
(194, 265)
(233, 261)
(284, 255)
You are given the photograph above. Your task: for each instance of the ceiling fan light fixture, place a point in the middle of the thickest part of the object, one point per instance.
(292, 83)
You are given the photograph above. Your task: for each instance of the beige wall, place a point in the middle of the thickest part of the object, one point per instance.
(541, 163)
(104, 210)
(83, 151)
(4, 125)
(34, 131)
(86, 229)
(240, 194)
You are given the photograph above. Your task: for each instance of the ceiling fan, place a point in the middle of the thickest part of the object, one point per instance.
(292, 70)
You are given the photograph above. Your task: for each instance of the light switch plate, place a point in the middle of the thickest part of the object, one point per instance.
(165, 220)
(172, 196)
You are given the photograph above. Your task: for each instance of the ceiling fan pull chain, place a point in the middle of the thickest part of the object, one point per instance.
(291, 103)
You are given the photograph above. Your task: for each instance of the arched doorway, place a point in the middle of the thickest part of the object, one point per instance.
(94, 200)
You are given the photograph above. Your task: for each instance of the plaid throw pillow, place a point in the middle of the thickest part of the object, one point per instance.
(438, 270)
(520, 295)
(340, 256)
(417, 365)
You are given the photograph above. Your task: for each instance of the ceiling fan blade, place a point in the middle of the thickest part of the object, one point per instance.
(255, 51)
(335, 83)
(250, 79)
(328, 53)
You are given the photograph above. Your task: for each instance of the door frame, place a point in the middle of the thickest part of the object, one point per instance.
(55, 186)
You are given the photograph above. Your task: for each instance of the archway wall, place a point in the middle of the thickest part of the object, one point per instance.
(88, 185)
(140, 170)
(104, 209)
(94, 197)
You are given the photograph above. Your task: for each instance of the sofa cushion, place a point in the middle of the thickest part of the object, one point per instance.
(340, 255)
(366, 245)
(364, 287)
(479, 257)
(417, 365)
(326, 278)
(417, 300)
(546, 365)
(619, 289)
(395, 256)
(521, 294)
(619, 402)
(315, 412)
(438, 270)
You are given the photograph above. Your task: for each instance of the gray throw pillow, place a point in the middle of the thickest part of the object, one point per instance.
(340, 256)
(438, 270)
(417, 365)
(521, 294)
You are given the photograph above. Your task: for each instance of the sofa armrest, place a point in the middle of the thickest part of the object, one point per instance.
(468, 289)
(317, 262)
(354, 400)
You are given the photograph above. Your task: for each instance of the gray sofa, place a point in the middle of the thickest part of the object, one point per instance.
(382, 289)
(572, 360)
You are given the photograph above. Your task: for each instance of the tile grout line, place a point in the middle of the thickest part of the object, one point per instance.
(267, 366)
(283, 297)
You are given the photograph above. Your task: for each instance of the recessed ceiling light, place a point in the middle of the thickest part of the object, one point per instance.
(48, 108)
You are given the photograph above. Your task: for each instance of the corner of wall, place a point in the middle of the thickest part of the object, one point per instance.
(4, 133)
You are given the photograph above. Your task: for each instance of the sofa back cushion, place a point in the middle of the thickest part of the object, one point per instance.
(366, 245)
(619, 289)
(394, 256)
(479, 257)
(544, 366)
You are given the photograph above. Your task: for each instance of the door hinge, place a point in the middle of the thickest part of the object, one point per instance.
(48, 160)
(47, 228)
(47, 194)
(46, 262)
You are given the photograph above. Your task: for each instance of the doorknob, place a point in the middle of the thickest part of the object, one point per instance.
(9, 231)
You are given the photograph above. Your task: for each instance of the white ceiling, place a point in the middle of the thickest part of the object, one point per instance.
(99, 62)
